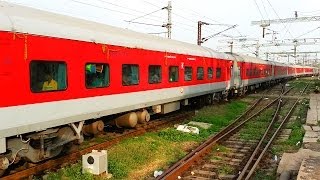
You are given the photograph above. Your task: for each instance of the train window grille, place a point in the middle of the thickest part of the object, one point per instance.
(187, 73)
(218, 74)
(130, 74)
(173, 74)
(210, 72)
(46, 76)
(97, 75)
(200, 73)
(155, 75)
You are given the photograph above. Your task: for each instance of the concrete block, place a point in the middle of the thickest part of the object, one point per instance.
(200, 124)
(307, 128)
(311, 134)
(309, 140)
(315, 128)
(312, 118)
(309, 169)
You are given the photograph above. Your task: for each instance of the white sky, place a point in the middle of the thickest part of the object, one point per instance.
(186, 13)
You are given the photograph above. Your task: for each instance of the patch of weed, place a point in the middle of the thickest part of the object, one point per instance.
(72, 172)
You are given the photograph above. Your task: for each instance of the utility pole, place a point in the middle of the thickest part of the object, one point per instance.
(200, 23)
(169, 24)
(257, 49)
(231, 47)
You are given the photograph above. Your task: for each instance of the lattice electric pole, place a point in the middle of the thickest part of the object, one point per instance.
(169, 24)
(199, 40)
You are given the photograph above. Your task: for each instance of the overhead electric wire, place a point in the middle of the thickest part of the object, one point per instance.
(124, 7)
(308, 32)
(145, 23)
(113, 10)
(264, 7)
(259, 9)
(279, 17)
(101, 7)
(146, 15)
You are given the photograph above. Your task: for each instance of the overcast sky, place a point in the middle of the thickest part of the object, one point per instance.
(186, 13)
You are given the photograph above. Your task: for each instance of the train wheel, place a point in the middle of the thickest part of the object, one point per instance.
(200, 102)
(2, 172)
(209, 99)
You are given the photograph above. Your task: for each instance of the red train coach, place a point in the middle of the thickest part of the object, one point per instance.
(59, 71)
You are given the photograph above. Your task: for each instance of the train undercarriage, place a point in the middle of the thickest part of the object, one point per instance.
(40, 146)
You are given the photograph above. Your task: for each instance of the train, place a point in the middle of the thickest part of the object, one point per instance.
(61, 75)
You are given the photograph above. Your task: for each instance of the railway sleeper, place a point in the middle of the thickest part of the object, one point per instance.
(235, 146)
(227, 176)
(226, 162)
(241, 150)
(205, 174)
(237, 142)
(197, 178)
(209, 166)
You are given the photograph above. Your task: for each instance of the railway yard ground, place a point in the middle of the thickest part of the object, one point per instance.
(294, 154)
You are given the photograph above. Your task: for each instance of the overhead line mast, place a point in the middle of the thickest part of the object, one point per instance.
(265, 23)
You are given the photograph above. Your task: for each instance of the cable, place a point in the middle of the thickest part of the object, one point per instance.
(285, 26)
(101, 7)
(117, 5)
(264, 7)
(258, 9)
(145, 15)
(308, 32)
(145, 23)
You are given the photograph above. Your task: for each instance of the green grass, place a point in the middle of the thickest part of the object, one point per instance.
(291, 144)
(225, 169)
(140, 156)
(128, 155)
(260, 174)
(73, 172)
(255, 128)
(221, 115)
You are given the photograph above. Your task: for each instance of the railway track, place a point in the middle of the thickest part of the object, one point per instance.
(36, 169)
(113, 138)
(202, 164)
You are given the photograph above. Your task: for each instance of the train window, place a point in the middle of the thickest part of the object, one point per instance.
(173, 73)
(155, 74)
(97, 75)
(200, 73)
(218, 72)
(187, 73)
(130, 74)
(210, 73)
(48, 76)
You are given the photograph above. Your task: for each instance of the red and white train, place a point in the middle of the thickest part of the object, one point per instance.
(60, 73)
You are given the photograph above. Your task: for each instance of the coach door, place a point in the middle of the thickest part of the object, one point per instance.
(236, 76)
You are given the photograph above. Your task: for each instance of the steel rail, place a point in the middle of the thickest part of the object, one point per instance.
(182, 165)
(263, 138)
(271, 141)
(251, 171)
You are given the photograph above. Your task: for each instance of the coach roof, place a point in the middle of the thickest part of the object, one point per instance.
(24, 19)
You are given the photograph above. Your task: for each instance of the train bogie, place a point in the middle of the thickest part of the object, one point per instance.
(62, 75)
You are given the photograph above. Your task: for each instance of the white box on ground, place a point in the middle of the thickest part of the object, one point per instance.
(95, 162)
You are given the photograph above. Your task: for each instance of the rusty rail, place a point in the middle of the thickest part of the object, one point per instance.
(271, 141)
(244, 174)
(259, 146)
(182, 165)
